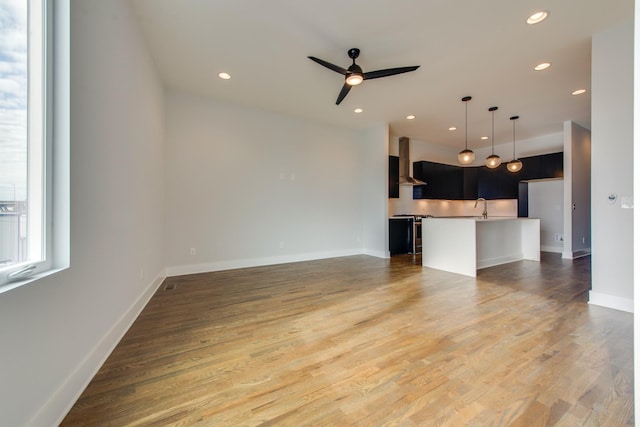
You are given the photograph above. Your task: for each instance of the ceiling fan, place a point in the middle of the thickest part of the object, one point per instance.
(354, 75)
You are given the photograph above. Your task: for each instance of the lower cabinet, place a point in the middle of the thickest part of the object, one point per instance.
(400, 235)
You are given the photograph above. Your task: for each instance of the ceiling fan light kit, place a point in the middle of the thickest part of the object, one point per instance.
(466, 156)
(354, 75)
(353, 79)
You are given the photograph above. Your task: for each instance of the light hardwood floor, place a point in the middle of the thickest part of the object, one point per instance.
(370, 342)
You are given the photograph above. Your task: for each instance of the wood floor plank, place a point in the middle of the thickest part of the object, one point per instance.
(370, 342)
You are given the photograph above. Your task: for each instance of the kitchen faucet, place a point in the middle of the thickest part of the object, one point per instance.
(484, 211)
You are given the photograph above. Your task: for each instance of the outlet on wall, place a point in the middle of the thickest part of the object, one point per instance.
(559, 237)
(192, 251)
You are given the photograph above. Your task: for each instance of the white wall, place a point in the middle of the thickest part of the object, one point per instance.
(636, 214)
(577, 191)
(374, 189)
(56, 332)
(546, 199)
(247, 187)
(612, 167)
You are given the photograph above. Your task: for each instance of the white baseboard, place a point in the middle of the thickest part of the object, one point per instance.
(611, 301)
(491, 262)
(552, 249)
(576, 254)
(180, 270)
(377, 254)
(57, 407)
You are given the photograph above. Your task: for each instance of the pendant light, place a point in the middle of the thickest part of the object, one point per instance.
(466, 156)
(492, 161)
(514, 165)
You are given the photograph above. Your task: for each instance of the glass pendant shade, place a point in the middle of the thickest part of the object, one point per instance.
(514, 165)
(493, 161)
(466, 156)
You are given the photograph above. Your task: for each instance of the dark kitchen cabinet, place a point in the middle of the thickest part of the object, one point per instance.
(468, 183)
(394, 177)
(487, 183)
(530, 168)
(453, 180)
(400, 235)
(523, 199)
(552, 165)
(542, 167)
(443, 181)
(507, 183)
(497, 183)
(424, 172)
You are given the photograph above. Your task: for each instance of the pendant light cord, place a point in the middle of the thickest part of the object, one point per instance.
(513, 119)
(514, 139)
(466, 109)
(493, 113)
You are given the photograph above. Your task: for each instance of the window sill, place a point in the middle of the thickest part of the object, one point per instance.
(18, 283)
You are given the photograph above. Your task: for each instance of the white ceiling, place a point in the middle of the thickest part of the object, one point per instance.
(483, 49)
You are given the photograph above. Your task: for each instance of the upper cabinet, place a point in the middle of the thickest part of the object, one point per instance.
(543, 166)
(468, 183)
(551, 165)
(443, 181)
(394, 177)
(488, 182)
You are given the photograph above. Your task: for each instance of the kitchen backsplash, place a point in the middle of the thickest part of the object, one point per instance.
(407, 205)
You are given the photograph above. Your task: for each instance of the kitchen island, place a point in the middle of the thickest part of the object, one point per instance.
(464, 245)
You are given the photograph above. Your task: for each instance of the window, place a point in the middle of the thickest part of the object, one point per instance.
(26, 139)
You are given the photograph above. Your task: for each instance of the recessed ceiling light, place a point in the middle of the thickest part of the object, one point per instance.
(537, 17)
(542, 66)
(411, 117)
(453, 128)
(484, 137)
(224, 76)
(578, 92)
(358, 110)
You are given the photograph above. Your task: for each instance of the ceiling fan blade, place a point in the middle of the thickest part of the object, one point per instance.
(345, 90)
(389, 72)
(329, 65)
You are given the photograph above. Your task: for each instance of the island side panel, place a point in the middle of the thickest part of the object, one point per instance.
(531, 239)
(498, 242)
(450, 245)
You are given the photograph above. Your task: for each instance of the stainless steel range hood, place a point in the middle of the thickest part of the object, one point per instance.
(405, 178)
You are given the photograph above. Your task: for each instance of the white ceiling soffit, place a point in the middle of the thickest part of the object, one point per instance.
(483, 49)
